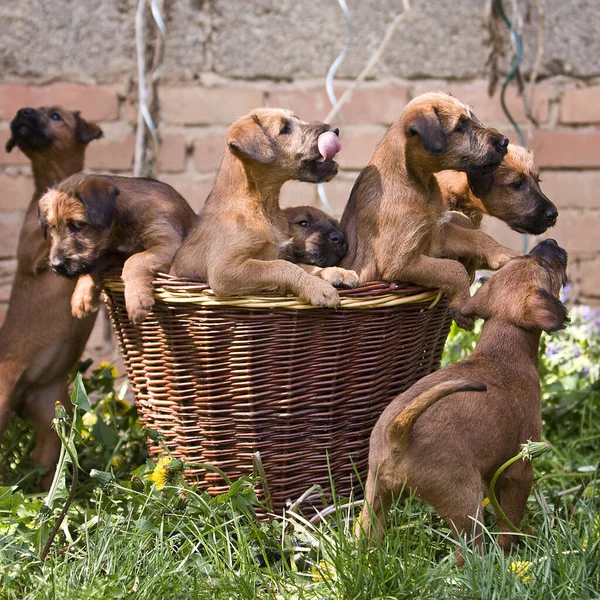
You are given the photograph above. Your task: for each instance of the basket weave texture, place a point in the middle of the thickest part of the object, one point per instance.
(301, 386)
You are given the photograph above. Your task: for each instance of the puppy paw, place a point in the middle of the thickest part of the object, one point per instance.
(322, 294)
(464, 322)
(85, 299)
(138, 303)
(497, 261)
(337, 276)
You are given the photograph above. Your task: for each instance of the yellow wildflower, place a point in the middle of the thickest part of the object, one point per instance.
(105, 365)
(116, 461)
(485, 502)
(121, 406)
(89, 419)
(323, 568)
(521, 569)
(595, 531)
(159, 476)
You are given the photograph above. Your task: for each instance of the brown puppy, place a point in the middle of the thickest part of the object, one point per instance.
(392, 218)
(448, 449)
(242, 239)
(511, 193)
(92, 218)
(40, 342)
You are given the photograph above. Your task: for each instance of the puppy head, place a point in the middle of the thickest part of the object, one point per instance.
(78, 216)
(316, 237)
(50, 131)
(525, 290)
(279, 146)
(443, 133)
(512, 193)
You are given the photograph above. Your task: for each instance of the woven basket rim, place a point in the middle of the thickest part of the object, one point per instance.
(174, 291)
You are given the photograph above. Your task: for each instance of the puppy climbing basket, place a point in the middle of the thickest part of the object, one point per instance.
(226, 378)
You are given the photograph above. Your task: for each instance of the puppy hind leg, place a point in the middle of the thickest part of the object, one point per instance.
(378, 499)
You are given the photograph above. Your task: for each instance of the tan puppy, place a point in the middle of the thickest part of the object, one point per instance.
(511, 193)
(242, 239)
(90, 219)
(392, 218)
(448, 449)
(40, 342)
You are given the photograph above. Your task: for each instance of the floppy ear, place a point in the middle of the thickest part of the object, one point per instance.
(544, 311)
(10, 144)
(428, 127)
(98, 197)
(85, 131)
(42, 216)
(477, 304)
(481, 185)
(247, 137)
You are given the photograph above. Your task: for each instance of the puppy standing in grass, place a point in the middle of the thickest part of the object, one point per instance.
(93, 219)
(392, 218)
(40, 342)
(446, 436)
(242, 238)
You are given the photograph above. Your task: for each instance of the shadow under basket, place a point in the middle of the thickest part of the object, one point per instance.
(225, 378)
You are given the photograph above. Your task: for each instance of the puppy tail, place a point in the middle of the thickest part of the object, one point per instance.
(402, 425)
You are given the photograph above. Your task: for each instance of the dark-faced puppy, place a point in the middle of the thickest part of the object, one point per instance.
(317, 238)
(91, 218)
(40, 342)
(392, 218)
(511, 193)
(446, 436)
(242, 237)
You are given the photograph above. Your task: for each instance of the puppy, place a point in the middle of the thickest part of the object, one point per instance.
(242, 238)
(89, 219)
(511, 193)
(448, 449)
(392, 218)
(40, 342)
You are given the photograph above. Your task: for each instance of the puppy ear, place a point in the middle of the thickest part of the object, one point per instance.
(85, 131)
(98, 197)
(428, 127)
(478, 304)
(10, 144)
(247, 137)
(481, 185)
(42, 216)
(544, 311)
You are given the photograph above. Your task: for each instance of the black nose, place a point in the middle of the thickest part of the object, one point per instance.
(336, 237)
(503, 143)
(551, 242)
(26, 112)
(551, 214)
(336, 131)
(59, 267)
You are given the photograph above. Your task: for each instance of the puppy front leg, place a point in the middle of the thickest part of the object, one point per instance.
(254, 276)
(460, 242)
(334, 275)
(86, 296)
(139, 271)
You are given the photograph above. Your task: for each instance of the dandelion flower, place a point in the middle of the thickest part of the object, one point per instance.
(322, 571)
(89, 419)
(166, 471)
(521, 570)
(485, 502)
(111, 368)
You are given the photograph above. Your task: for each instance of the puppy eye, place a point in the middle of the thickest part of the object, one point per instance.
(75, 226)
(287, 128)
(303, 223)
(517, 185)
(55, 116)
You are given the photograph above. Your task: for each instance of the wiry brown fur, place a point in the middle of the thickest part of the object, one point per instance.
(393, 215)
(91, 219)
(40, 342)
(241, 241)
(511, 193)
(446, 449)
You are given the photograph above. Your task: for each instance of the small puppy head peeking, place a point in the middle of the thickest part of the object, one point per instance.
(525, 290)
(443, 133)
(316, 237)
(77, 216)
(512, 193)
(52, 129)
(278, 146)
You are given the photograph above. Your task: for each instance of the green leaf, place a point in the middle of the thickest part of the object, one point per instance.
(79, 397)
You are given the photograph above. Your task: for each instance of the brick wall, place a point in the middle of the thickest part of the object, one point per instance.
(195, 119)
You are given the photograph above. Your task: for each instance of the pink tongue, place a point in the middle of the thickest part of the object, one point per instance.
(329, 145)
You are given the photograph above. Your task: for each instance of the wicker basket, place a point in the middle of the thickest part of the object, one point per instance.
(224, 378)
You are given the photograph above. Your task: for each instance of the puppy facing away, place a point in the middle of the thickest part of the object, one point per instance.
(393, 215)
(446, 436)
(90, 219)
(511, 193)
(242, 240)
(40, 342)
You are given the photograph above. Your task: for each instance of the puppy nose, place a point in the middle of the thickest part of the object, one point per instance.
(501, 143)
(551, 242)
(26, 112)
(336, 130)
(551, 214)
(336, 237)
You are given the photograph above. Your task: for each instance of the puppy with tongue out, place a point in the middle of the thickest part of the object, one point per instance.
(242, 240)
